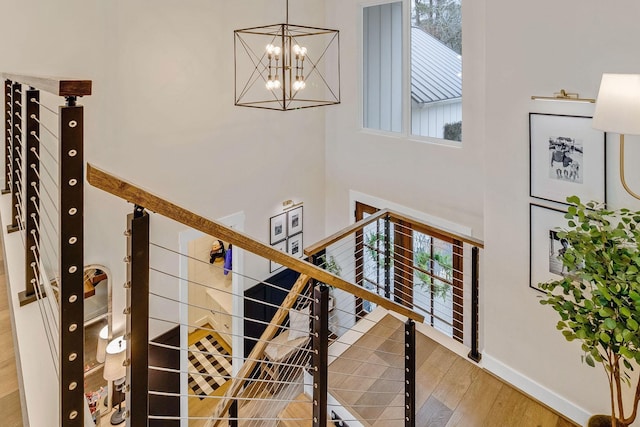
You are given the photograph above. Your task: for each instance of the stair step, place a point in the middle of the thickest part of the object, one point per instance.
(299, 408)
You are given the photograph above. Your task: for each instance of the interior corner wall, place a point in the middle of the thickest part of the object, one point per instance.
(537, 49)
(512, 50)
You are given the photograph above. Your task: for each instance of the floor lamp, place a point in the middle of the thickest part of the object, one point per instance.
(115, 370)
(618, 111)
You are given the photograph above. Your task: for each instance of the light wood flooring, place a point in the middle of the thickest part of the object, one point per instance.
(450, 390)
(10, 407)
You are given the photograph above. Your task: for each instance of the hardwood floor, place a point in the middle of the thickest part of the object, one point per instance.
(10, 407)
(450, 390)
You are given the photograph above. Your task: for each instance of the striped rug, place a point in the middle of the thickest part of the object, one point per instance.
(208, 357)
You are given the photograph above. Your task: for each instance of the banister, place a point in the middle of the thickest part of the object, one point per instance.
(394, 217)
(55, 85)
(444, 232)
(328, 241)
(134, 194)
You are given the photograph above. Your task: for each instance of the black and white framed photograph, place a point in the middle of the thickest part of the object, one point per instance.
(294, 246)
(278, 228)
(294, 221)
(546, 246)
(281, 246)
(566, 157)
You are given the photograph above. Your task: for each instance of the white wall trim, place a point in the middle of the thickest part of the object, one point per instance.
(543, 394)
(356, 196)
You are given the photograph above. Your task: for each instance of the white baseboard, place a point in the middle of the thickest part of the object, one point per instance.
(535, 390)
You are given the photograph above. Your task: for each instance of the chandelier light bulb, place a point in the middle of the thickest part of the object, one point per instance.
(273, 51)
(299, 84)
(299, 51)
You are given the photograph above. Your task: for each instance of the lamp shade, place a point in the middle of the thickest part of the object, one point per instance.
(114, 361)
(618, 104)
(103, 337)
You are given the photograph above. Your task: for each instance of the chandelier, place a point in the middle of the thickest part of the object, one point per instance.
(286, 66)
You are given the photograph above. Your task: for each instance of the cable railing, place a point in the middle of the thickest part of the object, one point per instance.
(258, 354)
(336, 344)
(43, 142)
(428, 269)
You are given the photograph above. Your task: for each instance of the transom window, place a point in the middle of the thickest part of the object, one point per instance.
(434, 99)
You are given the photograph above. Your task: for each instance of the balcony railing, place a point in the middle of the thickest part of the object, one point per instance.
(333, 338)
(44, 175)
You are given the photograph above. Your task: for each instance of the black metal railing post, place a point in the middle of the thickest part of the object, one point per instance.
(233, 414)
(137, 311)
(7, 136)
(474, 354)
(31, 199)
(320, 354)
(71, 205)
(410, 374)
(16, 154)
(387, 257)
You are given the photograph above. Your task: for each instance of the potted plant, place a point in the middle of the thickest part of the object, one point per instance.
(331, 265)
(598, 298)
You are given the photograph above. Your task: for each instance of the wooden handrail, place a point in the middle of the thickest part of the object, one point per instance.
(125, 190)
(258, 350)
(336, 237)
(394, 217)
(55, 85)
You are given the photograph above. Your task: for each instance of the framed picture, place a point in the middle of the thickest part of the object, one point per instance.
(281, 246)
(278, 228)
(566, 157)
(294, 246)
(546, 246)
(294, 221)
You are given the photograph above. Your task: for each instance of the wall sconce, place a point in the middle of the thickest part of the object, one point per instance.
(563, 95)
(618, 111)
(298, 68)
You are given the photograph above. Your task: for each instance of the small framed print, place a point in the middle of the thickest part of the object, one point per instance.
(294, 246)
(294, 221)
(567, 157)
(281, 246)
(278, 228)
(546, 247)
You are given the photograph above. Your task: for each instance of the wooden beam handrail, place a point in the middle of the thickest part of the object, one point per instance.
(134, 194)
(55, 85)
(258, 350)
(394, 217)
(336, 237)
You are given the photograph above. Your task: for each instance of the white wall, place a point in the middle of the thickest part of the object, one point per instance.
(162, 116)
(441, 180)
(512, 50)
(533, 49)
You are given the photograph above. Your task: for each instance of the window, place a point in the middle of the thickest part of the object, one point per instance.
(435, 71)
(413, 266)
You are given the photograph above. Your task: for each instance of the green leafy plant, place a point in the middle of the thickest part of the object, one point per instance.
(599, 298)
(330, 264)
(374, 242)
(423, 261)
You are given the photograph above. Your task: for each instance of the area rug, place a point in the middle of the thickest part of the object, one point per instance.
(208, 357)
